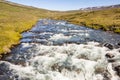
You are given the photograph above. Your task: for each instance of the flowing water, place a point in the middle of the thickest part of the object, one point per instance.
(57, 50)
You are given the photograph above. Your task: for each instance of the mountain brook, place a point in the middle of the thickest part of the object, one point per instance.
(57, 50)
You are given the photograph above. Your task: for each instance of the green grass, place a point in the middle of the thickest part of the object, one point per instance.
(108, 20)
(15, 19)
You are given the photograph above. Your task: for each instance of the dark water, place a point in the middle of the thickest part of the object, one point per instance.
(57, 50)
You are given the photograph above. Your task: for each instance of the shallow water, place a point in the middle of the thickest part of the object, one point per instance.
(57, 50)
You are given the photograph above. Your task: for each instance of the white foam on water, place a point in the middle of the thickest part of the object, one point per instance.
(61, 23)
(59, 37)
(66, 62)
(28, 34)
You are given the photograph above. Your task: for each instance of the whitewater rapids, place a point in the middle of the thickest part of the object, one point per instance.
(56, 50)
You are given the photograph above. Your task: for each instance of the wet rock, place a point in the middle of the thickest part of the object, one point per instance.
(119, 44)
(55, 67)
(22, 63)
(4, 77)
(115, 59)
(109, 55)
(5, 71)
(99, 70)
(4, 67)
(107, 75)
(108, 45)
(82, 56)
(111, 60)
(16, 76)
(116, 67)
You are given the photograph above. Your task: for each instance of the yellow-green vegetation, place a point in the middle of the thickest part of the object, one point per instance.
(107, 19)
(15, 19)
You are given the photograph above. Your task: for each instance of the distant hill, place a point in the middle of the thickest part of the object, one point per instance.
(101, 7)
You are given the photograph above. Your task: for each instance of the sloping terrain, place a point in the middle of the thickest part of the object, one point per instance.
(15, 19)
(105, 18)
(101, 7)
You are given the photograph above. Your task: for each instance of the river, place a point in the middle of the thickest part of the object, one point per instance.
(58, 50)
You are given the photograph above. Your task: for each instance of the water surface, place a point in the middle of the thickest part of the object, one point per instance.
(57, 50)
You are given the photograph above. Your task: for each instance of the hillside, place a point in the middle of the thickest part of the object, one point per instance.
(15, 19)
(105, 18)
(100, 7)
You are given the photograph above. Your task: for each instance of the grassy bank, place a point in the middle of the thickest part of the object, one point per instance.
(15, 19)
(107, 19)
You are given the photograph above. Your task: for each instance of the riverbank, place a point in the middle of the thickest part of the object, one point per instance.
(107, 19)
(9, 39)
(98, 27)
(15, 19)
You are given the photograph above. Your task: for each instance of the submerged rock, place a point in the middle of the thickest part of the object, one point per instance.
(118, 44)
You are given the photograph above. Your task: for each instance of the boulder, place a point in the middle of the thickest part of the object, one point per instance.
(119, 44)
(111, 60)
(109, 55)
(5, 77)
(109, 45)
(116, 67)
